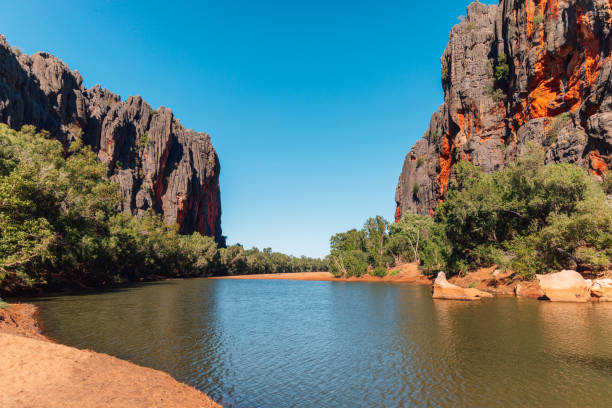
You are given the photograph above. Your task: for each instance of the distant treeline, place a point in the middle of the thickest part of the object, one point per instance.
(61, 226)
(528, 217)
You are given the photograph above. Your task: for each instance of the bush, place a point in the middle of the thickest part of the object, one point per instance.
(380, 271)
(3, 304)
(61, 226)
(530, 217)
(607, 182)
(538, 19)
(502, 69)
(420, 162)
(555, 126)
(498, 95)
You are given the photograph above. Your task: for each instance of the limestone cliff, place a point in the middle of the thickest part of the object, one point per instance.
(525, 70)
(157, 163)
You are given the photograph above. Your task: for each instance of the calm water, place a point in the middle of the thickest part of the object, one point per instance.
(252, 344)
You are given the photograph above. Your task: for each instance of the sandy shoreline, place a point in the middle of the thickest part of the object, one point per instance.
(405, 274)
(36, 372)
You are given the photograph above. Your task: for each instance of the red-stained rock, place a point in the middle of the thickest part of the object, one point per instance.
(442, 289)
(157, 163)
(560, 62)
(565, 286)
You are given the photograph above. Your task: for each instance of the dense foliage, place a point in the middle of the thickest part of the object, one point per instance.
(529, 217)
(61, 226)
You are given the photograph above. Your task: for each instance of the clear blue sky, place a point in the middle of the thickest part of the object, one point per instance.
(311, 105)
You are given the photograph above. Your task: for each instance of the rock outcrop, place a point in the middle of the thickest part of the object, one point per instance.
(442, 289)
(565, 286)
(157, 163)
(602, 289)
(535, 70)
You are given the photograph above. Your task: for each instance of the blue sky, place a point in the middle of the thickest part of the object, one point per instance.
(311, 105)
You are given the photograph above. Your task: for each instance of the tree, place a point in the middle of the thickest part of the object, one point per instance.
(407, 235)
(375, 239)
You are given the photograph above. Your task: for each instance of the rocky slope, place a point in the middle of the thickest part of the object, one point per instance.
(555, 90)
(158, 164)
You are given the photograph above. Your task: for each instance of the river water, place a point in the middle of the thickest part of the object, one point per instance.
(268, 343)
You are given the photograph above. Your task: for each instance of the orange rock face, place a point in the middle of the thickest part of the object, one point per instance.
(558, 57)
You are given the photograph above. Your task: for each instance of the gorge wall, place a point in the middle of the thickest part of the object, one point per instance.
(157, 163)
(555, 90)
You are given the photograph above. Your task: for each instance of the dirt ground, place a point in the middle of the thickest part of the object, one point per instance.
(407, 273)
(38, 373)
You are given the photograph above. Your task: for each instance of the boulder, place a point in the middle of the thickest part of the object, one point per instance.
(443, 289)
(565, 286)
(529, 290)
(602, 288)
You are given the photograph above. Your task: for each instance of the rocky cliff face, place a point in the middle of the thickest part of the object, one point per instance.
(525, 70)
(158, 164)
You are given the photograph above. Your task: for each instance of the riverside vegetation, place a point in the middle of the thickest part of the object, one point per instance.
(528, 217)
(62, 227)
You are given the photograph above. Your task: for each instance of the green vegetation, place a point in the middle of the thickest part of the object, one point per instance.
(471, 26)
(62, 226)
(415, 189)
(502, 69)
(419, 162)
(498, 95)
(538, 19)
(144, 139)
(607, 182)
(501, 72)
(529, 217)
(445, 74)
(3, 304)
(554, 128)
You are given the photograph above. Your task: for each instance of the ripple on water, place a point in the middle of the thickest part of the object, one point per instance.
(252, 344)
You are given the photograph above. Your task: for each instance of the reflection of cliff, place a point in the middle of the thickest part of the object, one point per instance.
(555, 93)
(157, 163)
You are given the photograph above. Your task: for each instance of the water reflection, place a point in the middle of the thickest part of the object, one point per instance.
(262, 343)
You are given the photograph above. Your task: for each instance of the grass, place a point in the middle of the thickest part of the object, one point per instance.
(538, 19)
(473, 285)
(3, 304)
(395, 272)
(555, 127)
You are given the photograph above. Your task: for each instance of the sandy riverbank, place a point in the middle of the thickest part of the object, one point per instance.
(405, 274)
(36, 372)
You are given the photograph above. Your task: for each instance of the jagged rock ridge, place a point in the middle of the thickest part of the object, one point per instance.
(558, 93)
(158, 163)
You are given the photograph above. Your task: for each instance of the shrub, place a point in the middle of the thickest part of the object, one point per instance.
(420, 162)
(555, 126)
(415, 189)
(471, 26)
(445, 73)
(498, 95)
(502, 69)
(380, 271)
(3, 304)
(607, 182)
(538, 19)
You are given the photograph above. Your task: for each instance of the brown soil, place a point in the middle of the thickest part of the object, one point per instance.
(488, 280)
(35, 372)
(408, 273)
